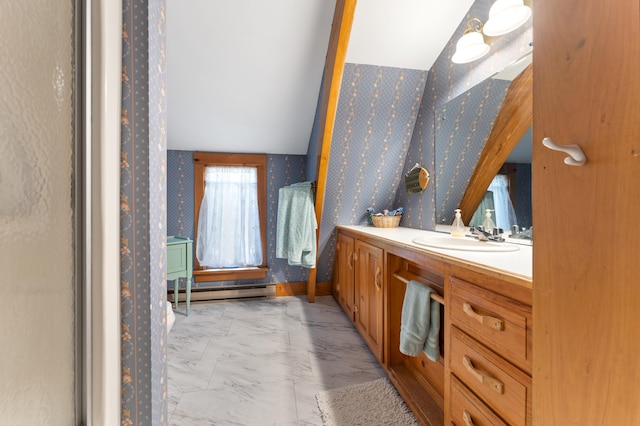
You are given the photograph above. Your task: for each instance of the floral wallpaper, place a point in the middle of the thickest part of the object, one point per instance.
(377, 110)
(143, 214)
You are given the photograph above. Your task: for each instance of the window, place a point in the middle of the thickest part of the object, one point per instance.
(230, 216)
(497, 200)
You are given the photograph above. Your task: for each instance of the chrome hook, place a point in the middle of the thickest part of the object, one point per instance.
(576, 156)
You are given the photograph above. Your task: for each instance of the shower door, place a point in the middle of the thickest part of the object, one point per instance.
(60, 85)
(39, 320)
(60, 70)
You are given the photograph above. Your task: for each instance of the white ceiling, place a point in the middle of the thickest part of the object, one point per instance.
(244, 75)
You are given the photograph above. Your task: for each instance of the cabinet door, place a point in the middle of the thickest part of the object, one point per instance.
(369, 295)
(586, 84)
(344, 287)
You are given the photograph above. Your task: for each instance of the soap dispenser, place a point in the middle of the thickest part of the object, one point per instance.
(488, 224)
(457, 227)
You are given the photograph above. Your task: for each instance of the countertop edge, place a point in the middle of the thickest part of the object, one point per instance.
(518, 264)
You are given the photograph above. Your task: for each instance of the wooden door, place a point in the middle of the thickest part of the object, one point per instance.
(369, 295)
(344, 286)
(586, 251)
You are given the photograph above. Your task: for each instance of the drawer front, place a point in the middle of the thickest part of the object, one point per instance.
(503, 387)
(500, 323)
(176, 258)
(467, 410)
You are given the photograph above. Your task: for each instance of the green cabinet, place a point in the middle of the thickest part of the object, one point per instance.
(180, 265)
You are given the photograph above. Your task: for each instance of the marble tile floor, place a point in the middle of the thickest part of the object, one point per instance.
(261, 362)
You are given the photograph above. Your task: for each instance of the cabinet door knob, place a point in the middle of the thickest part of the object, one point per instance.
(482, 377)
(352, 256)
(576, 156)
(487, 321)
(466, 417)
(377, 278)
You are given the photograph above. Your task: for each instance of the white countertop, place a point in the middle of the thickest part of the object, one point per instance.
(518, 262)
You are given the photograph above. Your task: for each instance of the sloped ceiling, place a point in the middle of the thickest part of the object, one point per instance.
(244, 75)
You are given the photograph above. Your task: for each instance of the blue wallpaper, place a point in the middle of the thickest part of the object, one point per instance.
(282, 170)
(522, 204)
(377, 110)
(462, 126)
(143, 214)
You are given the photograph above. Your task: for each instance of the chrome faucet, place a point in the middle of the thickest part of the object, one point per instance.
(479, 233)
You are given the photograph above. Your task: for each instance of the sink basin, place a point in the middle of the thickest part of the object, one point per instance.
(463, 243)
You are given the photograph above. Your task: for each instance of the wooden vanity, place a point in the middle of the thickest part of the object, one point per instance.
(483, 374)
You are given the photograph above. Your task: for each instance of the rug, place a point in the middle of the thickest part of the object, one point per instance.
(370, 403)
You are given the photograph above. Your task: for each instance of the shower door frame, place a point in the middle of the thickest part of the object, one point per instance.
(98, 56)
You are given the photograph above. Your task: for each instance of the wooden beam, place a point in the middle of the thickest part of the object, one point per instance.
(513, 120)
(333, 70)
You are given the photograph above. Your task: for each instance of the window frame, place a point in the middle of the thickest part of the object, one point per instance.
(203, 159)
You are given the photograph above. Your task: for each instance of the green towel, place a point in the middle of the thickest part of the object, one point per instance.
(420, 322)
(296, 227)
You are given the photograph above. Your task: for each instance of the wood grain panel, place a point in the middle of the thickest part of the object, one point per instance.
(586, 251)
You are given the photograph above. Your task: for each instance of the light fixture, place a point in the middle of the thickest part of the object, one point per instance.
(505, 16)
(471, 45)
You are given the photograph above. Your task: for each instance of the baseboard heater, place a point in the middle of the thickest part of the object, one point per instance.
(241, 291)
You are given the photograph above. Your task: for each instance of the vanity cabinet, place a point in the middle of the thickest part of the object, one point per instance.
(369, 296)
(483, 374)
(358, 287)
(343, 287)
(489, 353)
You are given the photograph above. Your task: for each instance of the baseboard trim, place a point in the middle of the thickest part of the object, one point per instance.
(298, 288)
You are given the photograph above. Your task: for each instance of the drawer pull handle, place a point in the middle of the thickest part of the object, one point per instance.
(487, 321)
(351, 259)
(468, 421)
(482, 377)
(377, 278)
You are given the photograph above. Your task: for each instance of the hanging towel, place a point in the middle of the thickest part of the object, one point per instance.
(432, 345)
(296, 227)
(420, 322)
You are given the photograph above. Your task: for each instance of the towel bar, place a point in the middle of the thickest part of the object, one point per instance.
(435, 296)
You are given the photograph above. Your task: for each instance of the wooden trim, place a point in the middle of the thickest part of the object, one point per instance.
(206, 275)
(334, 68)
(514, 118)
(299, 288)
(203, 159)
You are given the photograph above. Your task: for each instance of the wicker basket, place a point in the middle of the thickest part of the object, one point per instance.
(386, 221)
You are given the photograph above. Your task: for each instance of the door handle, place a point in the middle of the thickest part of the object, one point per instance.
(483, 377)
(487, 321)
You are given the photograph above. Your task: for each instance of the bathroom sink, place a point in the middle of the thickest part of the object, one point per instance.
(463, 243)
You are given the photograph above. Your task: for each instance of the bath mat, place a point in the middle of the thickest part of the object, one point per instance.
(371, 403)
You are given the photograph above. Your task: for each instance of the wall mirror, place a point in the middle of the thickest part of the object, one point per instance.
(479, 134)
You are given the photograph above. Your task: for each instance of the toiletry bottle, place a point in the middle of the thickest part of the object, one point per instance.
(457, 227)
(488, 224)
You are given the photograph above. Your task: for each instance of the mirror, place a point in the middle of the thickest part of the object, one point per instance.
(475, 133)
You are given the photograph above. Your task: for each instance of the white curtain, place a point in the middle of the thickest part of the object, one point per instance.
(504, 214)
(229, 223)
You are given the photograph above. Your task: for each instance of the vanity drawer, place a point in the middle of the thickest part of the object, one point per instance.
(501, 386)
(499, 322)
(466, 409)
